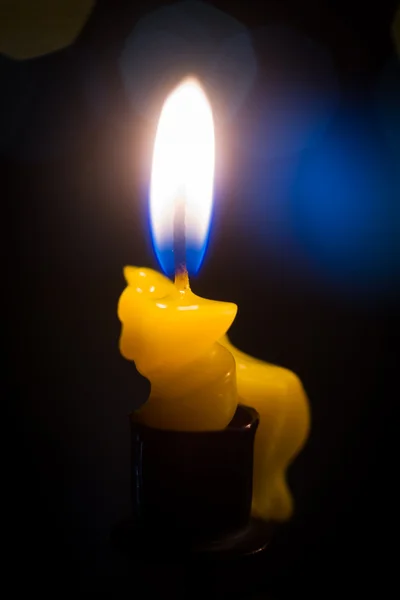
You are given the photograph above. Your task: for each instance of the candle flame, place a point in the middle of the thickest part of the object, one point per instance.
(181, 188)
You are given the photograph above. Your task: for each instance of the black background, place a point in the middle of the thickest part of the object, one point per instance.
(70, 391)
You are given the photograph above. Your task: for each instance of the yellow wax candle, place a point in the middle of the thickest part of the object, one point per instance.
(171, 334)
(178, 340)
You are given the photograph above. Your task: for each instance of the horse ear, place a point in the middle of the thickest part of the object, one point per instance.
(130, 274)
(148, 281)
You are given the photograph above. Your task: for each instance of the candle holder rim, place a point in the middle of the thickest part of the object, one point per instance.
(253, 422)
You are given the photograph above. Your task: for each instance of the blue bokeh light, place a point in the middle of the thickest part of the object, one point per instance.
(341, 205)
(331, 210)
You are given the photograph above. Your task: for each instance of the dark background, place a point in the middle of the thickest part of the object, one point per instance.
(74, 177)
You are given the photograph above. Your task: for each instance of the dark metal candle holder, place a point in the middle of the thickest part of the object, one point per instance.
(191, 491)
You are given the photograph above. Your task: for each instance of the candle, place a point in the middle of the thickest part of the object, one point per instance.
(172, 336)
(178, 340)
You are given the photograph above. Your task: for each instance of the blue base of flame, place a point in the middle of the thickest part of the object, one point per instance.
(194, 258)
(195, 252)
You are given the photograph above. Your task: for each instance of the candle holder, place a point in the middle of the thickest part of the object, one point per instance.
(192, 491)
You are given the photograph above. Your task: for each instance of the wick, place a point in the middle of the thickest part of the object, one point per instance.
(181, 274)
